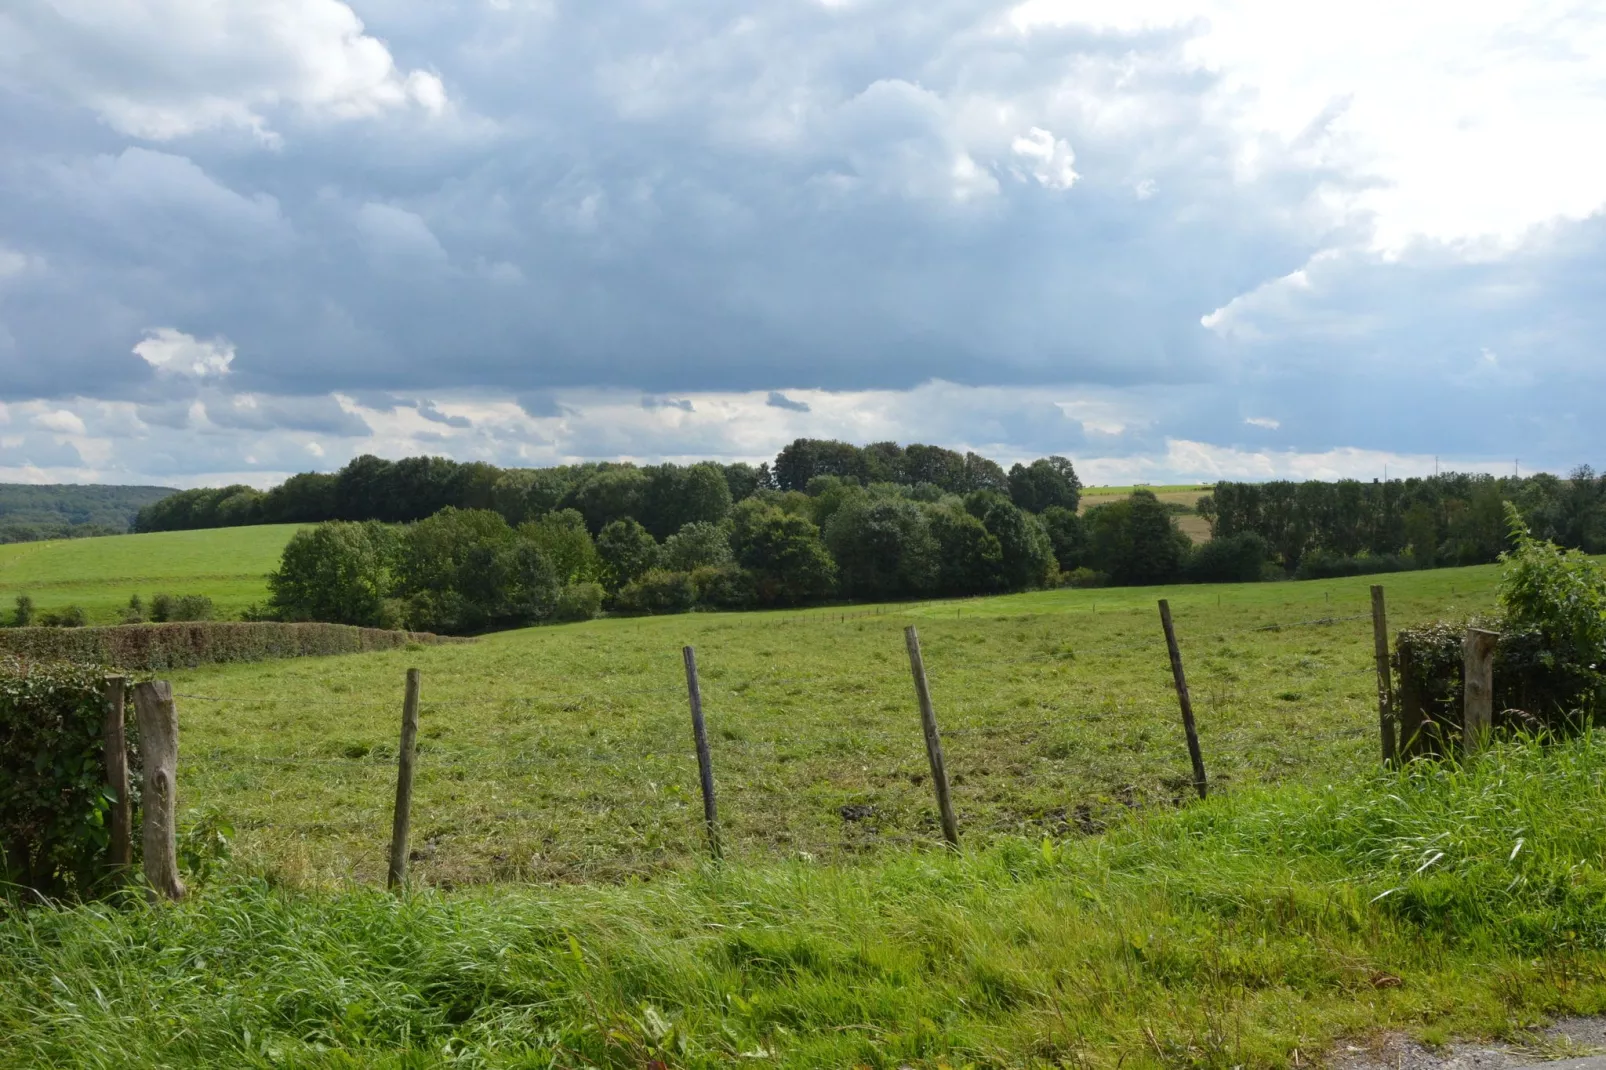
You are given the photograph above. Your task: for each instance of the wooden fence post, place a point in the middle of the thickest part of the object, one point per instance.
(121, 851)
(157, 719)
(406, 759)
(1385, 679)
(1184, 700)
(1414, 741)
(1477, 652)
(928, 722)
(705, 760)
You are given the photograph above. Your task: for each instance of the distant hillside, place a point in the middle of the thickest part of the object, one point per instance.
(30, 512)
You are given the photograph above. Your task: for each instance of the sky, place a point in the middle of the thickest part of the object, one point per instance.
(1169, 240)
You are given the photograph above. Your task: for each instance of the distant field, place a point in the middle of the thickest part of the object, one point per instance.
(229, 564)
(565, 753)
(1182, 493)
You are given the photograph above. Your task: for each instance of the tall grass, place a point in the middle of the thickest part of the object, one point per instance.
(1250, 931)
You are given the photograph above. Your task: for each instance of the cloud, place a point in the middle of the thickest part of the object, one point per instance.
(428, 411)
(172, 352)
(778, 400)
(1265, 422)
(61, 420)
(652, 404)
(251, 412)
(167, 69)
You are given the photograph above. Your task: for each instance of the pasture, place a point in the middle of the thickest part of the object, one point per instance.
(564, 753)
(230, 565)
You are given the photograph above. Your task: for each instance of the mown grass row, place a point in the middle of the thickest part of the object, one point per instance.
(1249, 931)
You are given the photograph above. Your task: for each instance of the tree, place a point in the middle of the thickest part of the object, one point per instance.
(1045, 483)
(969, 558)
(675, 496)
(1068, 535)
(1135, 541)
(789, 563)
(338, 572)
(563, 538)
(1028, 555)
(611, 494)
(697, 545)
(883, 548)
(627, 551)
(743, 480)
(1229, 559)
(454, 570)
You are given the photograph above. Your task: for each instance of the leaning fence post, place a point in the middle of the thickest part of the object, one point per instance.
(158, 747)
(406, 758)
(705, 760)
(928, 722)
(120, 852)
(1477, 721)
(1385, 679)
(1184, 701)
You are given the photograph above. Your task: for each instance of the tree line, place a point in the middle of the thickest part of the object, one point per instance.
(1315, 529)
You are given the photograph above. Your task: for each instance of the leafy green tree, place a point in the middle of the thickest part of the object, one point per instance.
(611, 494)
(1229, 559)
(22, 612)
(1135, 541)
(744, 481)
(1028, 554)
(563, 538)
(1046, 482)
(338, 572)
(657, 591)
(676, 496)
(969, 558)
(1067, 534)
(883, 548)
(454, 570)
(784, 552)
(627, 550)
(699, 544)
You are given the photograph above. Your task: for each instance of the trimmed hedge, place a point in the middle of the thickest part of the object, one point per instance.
(153, 647)
(53, 798)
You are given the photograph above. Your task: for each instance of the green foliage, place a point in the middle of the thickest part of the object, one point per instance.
(165, 646)
(1229, 559)
(627, 550)
(31, 512)
(339, 572)
(700, 544)
(1028, 556)
(22, 612)
(579, 601)
(1136, 542)
(53, 802)
(676, 496)
(789, 562)
(1068, 535)
(70, 617)
(1558, 594)
(883, 549)
(727, 586)
(969, 557)
(657, 591)
(1048, 482)
(563, 538)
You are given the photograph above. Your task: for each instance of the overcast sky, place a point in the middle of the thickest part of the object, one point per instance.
(1171, 240)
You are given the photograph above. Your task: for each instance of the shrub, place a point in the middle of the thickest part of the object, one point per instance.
(699, 544)
(135, 611)
(1229, 559)
(1326, 565)
(628, 550)
(657, 591)
(22, 617)
(1084, 577)
(53, 805)
(181, 645)
(71, 617)
(579, 601)
(725, 587)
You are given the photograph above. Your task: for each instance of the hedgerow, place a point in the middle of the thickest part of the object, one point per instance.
(155, 647)
(53, 796)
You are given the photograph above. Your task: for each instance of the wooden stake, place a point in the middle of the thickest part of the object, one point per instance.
(928, 722)
(1478, 689)
(120, 853)
(406, 759)
(1385, 678)
(157, 719)
(705, 760)
(1184, 701)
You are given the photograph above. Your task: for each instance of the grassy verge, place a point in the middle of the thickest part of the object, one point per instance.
(1249, 931)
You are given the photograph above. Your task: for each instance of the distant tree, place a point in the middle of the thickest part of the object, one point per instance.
(627, 550)
(676, 496)
(1028, 554)
(806, 458)
(983, 474)
(932, 464)
(1135, 541)
(338, 571)
(611, 494)
(1229, 559)
(830, 493)
(883, 548)
(699, 544)
(743, 480)
(1047, 482)
(1067, 534)
(563, 538)
(789, 562)
(22, 612)
(302, 499)
(969, 557)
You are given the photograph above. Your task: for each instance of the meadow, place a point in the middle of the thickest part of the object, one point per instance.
(230, 565)
(563, 753)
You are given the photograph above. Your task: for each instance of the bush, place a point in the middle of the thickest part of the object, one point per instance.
(697, 545)
(165, 608)
(1326, 565)
(134, 613)
(22, 617)
(338, 572)
(71, 617)
(53, 805)
(1084, 577)
(657, 591)
(153, 647)
(725, 587)
(579, 601)
(627, 550)
(1229, 559)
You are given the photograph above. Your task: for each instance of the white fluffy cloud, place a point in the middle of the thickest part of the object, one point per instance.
(162, 69)
(172, 352)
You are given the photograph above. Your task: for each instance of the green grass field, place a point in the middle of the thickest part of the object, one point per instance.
(564, 753)
(229, 565)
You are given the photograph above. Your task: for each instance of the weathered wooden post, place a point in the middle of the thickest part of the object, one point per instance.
(1477, 721)
(120, 852)
(406, 759)
(1414, 741)
(1385, 678)
(705, 760)
(157, 719)
(928, 722)
(1188, 727)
